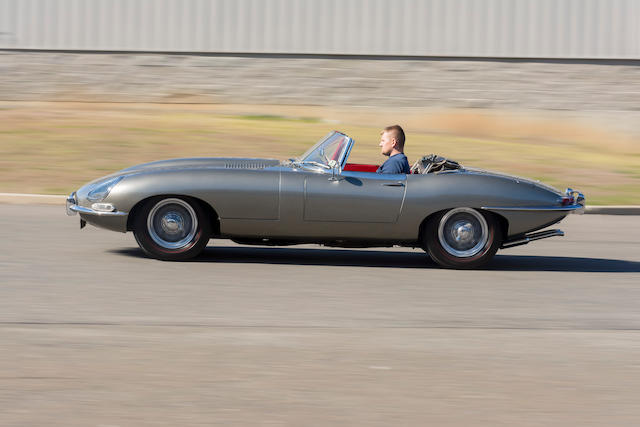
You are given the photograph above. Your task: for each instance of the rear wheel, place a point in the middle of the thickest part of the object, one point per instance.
(462, 238)
(172, 228)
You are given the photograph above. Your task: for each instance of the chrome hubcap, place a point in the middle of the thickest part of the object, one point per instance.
(463, 232)
(172, 223)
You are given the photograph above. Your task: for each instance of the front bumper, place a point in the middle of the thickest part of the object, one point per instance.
(111, 220)
(73, 208)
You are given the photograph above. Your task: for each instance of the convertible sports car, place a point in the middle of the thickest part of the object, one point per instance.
(460, 216)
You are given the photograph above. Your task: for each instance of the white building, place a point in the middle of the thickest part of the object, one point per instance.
(590, 29)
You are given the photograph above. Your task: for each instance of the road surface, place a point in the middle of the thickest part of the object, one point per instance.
(92, 333)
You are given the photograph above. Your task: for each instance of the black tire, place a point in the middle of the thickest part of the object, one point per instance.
(462, 238)
(172, 228)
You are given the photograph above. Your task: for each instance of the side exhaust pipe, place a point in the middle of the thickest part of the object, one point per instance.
(523, 240)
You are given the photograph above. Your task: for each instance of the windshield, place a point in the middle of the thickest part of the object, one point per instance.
(332, 147)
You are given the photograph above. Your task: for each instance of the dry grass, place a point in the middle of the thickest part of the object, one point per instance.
(53, 148)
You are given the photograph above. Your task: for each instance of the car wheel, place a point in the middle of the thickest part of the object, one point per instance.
(172, 228)
(462, 238)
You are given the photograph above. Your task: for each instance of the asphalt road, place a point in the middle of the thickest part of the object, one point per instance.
(94, 334)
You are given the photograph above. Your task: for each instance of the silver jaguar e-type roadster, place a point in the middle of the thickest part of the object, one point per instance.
(460, 216)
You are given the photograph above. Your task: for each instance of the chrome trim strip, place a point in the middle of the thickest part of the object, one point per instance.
(531, 237)
(533, 208)
(87, 211)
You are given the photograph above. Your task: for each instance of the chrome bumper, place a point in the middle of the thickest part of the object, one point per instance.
(71, 201)
(73, 208)
(578, 200)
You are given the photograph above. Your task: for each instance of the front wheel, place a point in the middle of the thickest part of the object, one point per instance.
(172, 228)
(462, 238)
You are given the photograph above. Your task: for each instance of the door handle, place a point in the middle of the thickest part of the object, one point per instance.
(394, 184)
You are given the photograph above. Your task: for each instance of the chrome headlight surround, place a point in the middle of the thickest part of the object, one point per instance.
(100, 190)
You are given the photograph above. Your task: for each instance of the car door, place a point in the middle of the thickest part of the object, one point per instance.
(362, 197)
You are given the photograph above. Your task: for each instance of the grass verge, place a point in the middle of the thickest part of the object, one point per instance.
(53, 148)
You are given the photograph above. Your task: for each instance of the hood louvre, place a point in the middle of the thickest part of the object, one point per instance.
(246, 164)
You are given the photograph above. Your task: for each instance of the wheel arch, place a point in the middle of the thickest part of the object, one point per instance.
(214, 219)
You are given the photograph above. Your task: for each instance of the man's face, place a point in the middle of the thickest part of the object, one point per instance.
(387, 143)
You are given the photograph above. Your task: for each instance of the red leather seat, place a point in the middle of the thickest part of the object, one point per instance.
(356, 167)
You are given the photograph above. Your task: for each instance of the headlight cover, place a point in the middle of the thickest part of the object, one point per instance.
(101, 190)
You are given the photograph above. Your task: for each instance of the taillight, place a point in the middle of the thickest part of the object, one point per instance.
(568, 200)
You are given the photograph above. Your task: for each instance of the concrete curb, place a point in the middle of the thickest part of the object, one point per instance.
(46, 199)
(32, 199)
(613, 210)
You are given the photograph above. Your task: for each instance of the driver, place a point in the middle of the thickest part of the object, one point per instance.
(392, 145)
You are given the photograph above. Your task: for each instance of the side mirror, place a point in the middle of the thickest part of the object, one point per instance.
(334, 165)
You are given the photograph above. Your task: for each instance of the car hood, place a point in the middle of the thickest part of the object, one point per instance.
(204, 162)
(193, 163)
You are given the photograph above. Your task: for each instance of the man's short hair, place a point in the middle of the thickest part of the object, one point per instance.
(398, 134)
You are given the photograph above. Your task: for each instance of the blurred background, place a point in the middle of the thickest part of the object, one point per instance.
(92, 333)
(547, 89)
